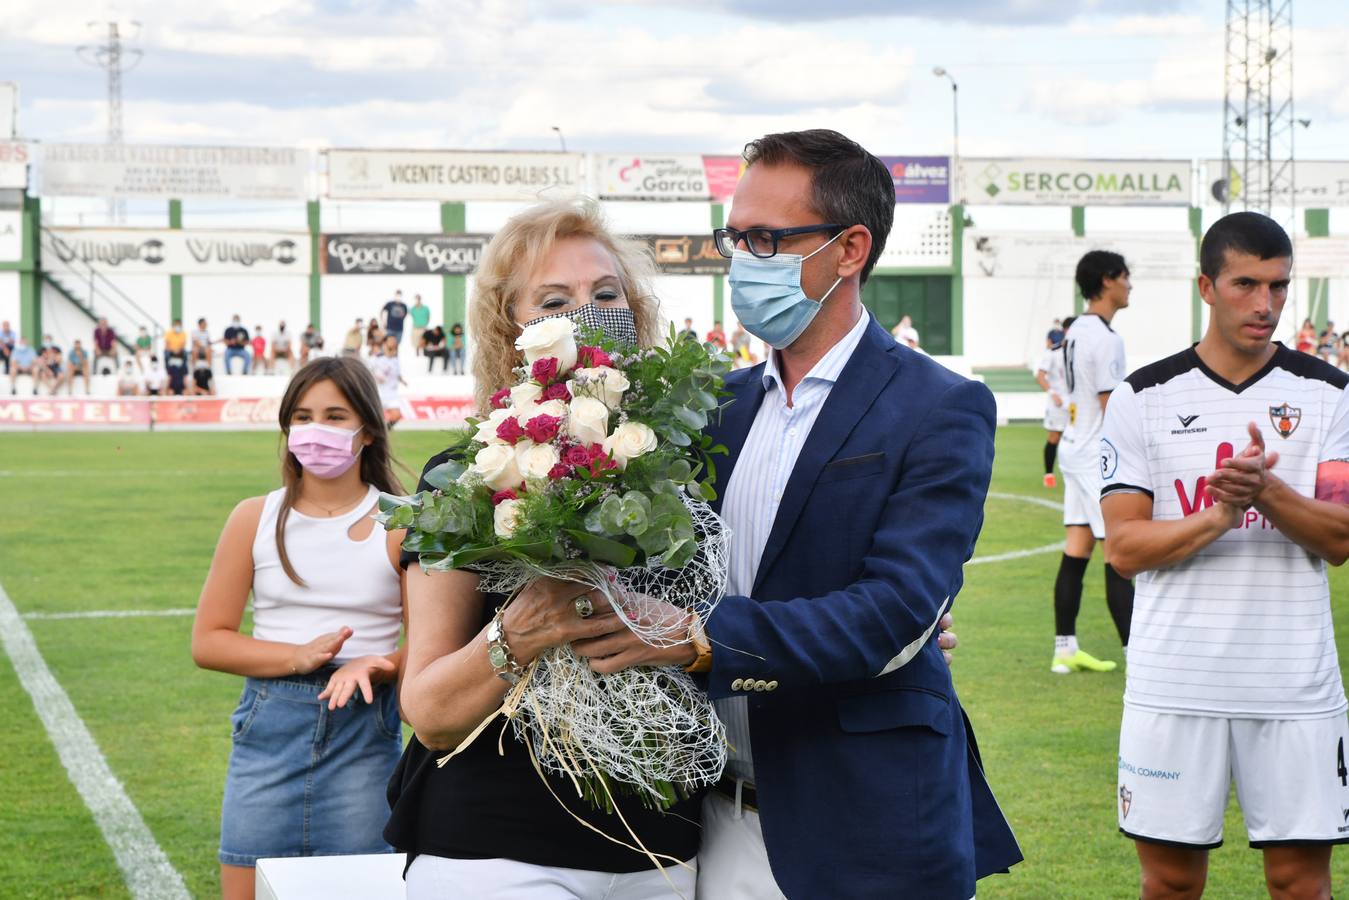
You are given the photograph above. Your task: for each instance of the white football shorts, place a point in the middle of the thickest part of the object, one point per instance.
(1175, 772)
(1082, 501)
(1056, 417)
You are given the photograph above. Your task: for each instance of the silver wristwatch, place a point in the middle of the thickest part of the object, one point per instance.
(499, 653)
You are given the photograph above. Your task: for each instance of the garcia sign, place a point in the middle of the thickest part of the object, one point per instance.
(451, 175)
(146, 170)
(651, 178)
(1076, 182)
(175, 252)
(402, 254)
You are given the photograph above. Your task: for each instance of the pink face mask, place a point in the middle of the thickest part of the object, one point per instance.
(324, 451)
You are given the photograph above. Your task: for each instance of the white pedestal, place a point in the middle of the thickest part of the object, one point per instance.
(377, 876)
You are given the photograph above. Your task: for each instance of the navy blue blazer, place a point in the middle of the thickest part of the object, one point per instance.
(869, 782)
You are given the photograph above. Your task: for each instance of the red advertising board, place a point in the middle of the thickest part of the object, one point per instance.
(222, 413)
(723, 173)
(30, 412)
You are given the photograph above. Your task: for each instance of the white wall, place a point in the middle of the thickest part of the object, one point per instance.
(9, 300)
(349, 297)
(258, 299)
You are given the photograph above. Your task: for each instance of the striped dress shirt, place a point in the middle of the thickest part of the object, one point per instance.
(752, 497)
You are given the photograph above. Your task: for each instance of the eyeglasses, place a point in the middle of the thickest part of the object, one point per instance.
(763, 242)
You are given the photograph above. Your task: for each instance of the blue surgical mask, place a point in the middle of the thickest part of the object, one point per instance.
(767, 297)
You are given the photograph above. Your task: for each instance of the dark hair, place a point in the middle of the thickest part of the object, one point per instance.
(1242, 232)
(848, 185)
(357, 385)
(1094, 268)
(1068, 323)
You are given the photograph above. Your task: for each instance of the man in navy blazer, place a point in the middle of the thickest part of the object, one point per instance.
(854, 490)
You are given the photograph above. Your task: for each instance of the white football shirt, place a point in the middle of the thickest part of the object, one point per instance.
(1241, 629)
(1093, 364)
(1052, 365)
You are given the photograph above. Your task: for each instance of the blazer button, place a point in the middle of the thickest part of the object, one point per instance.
(761, 685)
(748, 684)
(772, 686)
(735, 685)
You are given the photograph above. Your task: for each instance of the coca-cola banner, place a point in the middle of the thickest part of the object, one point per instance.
(168, 172)
(402, 254)
(164, 251)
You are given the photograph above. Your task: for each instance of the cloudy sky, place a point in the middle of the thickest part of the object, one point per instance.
(1061, 77)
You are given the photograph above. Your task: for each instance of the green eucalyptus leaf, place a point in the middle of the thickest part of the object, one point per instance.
(602, 549)
(445, 474)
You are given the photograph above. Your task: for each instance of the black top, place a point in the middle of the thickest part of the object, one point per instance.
(396, 311)
(236, 336)
(481, 805)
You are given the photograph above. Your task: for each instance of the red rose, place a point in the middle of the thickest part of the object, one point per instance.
(504, 495)
(600, 461)
(576, 455)
(510, 431)
(499, 398)
(593, 357)
(556, 391)
(545, 370)
(561, 470)
(542, 428)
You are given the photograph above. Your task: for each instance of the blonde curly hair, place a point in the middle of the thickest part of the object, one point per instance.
(513, 255)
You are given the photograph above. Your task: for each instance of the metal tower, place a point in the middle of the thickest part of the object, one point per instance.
(1258, 110)
(114, 58)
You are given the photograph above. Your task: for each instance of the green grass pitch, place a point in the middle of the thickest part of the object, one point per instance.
(129, 521)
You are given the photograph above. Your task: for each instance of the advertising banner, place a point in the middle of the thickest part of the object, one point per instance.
(920, 179)
(402, 254)
(193, 413)
(1316, 183)
(687, 254)
(650, 178)
(441, 410)
(175, 172)
(1321, 257)
(723, 174)
(165, 251)
(14, 159)
(1052, 254)
(11, 235)
(1076, 182)
(9, 110)
(23, 413)
(452, 175)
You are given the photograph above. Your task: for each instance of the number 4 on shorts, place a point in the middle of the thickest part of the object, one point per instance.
(1340, 770)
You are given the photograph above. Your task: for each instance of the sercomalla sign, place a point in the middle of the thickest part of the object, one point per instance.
(1077, 182)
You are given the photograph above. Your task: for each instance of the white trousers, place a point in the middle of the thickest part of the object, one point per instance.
(439, 878)
(733, 863)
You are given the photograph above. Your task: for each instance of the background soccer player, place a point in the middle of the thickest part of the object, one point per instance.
(1049, 375)
(1093, 366)
(1233, 673)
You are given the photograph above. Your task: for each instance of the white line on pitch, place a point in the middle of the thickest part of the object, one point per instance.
(1016, 554)
(147, 871)
(1026, 498)
(109, 614)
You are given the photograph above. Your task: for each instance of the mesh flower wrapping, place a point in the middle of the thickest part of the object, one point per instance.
(593, 468)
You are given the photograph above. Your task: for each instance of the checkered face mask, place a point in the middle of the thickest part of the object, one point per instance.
(616, 323)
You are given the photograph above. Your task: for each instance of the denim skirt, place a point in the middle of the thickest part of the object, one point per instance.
(304, 781)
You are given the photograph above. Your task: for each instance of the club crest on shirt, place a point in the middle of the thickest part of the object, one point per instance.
(1285, 419)
(1126, 798)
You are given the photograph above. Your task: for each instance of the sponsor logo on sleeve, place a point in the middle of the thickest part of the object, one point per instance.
(1109, 459)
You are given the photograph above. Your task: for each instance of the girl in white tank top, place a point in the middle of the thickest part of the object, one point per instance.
(317, 732)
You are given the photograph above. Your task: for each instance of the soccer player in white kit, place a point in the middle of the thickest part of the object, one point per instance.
(1226, 488)
(1093, 366)
(1049, 375)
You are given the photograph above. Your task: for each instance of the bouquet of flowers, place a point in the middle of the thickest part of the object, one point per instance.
(588, 470)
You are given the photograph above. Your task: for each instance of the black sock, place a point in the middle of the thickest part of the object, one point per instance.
(1051, 451)
(1068, 593)
(1119, 598)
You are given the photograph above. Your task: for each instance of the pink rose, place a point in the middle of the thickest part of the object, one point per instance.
(542, 428)
(592, 357)
(510, 431)
(504, 495)
(561, 470)
(499, 398)
(576, 455)
(544, 370)
(556, 391)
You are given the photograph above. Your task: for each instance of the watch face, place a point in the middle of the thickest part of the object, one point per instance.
(496, 655)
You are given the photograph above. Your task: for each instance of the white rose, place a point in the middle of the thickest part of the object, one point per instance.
(535, 460)
(496, 464)
(487, 429)
(551, 337)
(504, 516)
(629, 441)
(525, 395)
(588, 421)
(603, 383)
(555, 408)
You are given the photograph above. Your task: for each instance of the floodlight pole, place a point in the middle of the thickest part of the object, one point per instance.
(941, 72)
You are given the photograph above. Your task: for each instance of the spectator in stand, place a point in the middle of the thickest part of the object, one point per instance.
(145, 345)
(201, 337)
(175, 339)
(688, 334)
(388, 376)
(155, 377)
(1343, 360)
(717, 336)
(7, 341)
(905, 333)
(175, 365)
(23, 361)
(311, 343)
(421, 317)
(128, 383)
(281, 348)
(1328, 343)
(203, 379)
(740, 348)
(79, 365)
(236, 346)
(433, 345)
(105, 343)
(351, 344)
(457, 349)
(395, 311)
(1306, 337)
(374, 339)
(259, 351)
(52, 370)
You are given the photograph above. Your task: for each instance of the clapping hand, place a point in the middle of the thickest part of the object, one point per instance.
(308, 657)
(1239, 481)
(362, 672)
